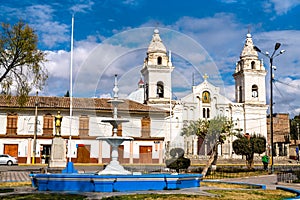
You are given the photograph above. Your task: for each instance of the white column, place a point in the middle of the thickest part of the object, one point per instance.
(100, 152)
(160, 152)
(29, 153)
(131, 152)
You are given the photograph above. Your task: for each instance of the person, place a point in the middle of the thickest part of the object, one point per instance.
(265, 161)
(297, 153)
(58, 119)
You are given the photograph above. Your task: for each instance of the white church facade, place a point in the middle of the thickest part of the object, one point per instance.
(248, 112)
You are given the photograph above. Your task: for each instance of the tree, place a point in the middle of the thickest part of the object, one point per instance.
(247, 145)
(21, 63)
(178, 161)
(67, 94)
(215, 131)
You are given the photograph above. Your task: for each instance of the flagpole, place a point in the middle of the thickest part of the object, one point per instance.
(71, 90)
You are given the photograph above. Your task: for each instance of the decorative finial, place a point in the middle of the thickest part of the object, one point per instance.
(116, 89)
(249, 34)
(205, 77)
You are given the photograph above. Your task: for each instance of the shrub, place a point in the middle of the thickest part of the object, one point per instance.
(178, 161)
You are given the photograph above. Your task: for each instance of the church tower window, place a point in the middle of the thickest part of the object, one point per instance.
(204, 113)
(254, 91)
(252, 65)
(160, 89)
(240, 91)
(159, 60)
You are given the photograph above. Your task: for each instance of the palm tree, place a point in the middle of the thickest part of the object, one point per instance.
(215, 130)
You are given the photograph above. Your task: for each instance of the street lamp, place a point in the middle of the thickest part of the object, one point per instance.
(277, 46)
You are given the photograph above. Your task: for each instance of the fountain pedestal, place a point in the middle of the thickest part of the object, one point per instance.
(58, 153)
(114, 166)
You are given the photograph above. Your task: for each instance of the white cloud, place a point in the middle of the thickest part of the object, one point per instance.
(50, 32)
(229, 1)
(286, 96)
(40, 18)
(282, 7)
(82, 6)
(221, 35)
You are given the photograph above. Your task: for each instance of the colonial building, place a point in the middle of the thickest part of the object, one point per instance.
(18, 136)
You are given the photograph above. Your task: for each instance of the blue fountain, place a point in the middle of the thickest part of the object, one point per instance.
(114, 177)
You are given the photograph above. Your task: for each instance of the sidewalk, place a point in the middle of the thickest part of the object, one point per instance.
(14, 176)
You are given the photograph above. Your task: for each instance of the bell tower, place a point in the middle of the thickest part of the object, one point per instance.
(250, 76)
(157, 71)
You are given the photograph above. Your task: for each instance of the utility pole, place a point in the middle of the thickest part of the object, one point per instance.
(35, 128)
(277, 46)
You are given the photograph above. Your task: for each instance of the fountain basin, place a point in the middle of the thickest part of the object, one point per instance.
(114, 140)
(113, 183)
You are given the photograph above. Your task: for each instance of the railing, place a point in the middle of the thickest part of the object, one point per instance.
(232, 172)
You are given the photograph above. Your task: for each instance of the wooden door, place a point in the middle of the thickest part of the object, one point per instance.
(83, 154)
(145, 154)
(11, 149)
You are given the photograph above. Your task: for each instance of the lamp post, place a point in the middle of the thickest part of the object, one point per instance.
(277, 46)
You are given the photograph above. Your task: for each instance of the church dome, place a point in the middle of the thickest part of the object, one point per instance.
(156, 44)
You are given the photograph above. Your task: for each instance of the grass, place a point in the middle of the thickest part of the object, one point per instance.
(34, 196)
(14, 184)
(225, 174)
(227, 185)
(219, 194)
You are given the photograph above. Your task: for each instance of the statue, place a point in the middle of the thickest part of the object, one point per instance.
(58, 119)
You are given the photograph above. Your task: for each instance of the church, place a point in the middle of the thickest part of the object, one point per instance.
(248, 112)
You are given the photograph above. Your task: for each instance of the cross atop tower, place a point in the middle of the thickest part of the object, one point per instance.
(205, 76)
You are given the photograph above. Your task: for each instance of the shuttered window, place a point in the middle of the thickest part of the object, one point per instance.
(12, 124)
(48, 124)
(83, 125)
(146, 127)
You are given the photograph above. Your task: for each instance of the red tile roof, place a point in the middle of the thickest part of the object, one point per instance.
(78, 103)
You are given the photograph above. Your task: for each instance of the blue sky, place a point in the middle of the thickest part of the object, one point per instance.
(112, 36)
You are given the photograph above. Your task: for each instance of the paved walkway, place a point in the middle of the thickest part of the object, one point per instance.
(14, 176)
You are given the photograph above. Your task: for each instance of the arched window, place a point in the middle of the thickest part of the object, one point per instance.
(205, 97)
(208, 113)
(254, 91)
(159, 60)
(252, 65)
(204, 113)
(160, 89)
